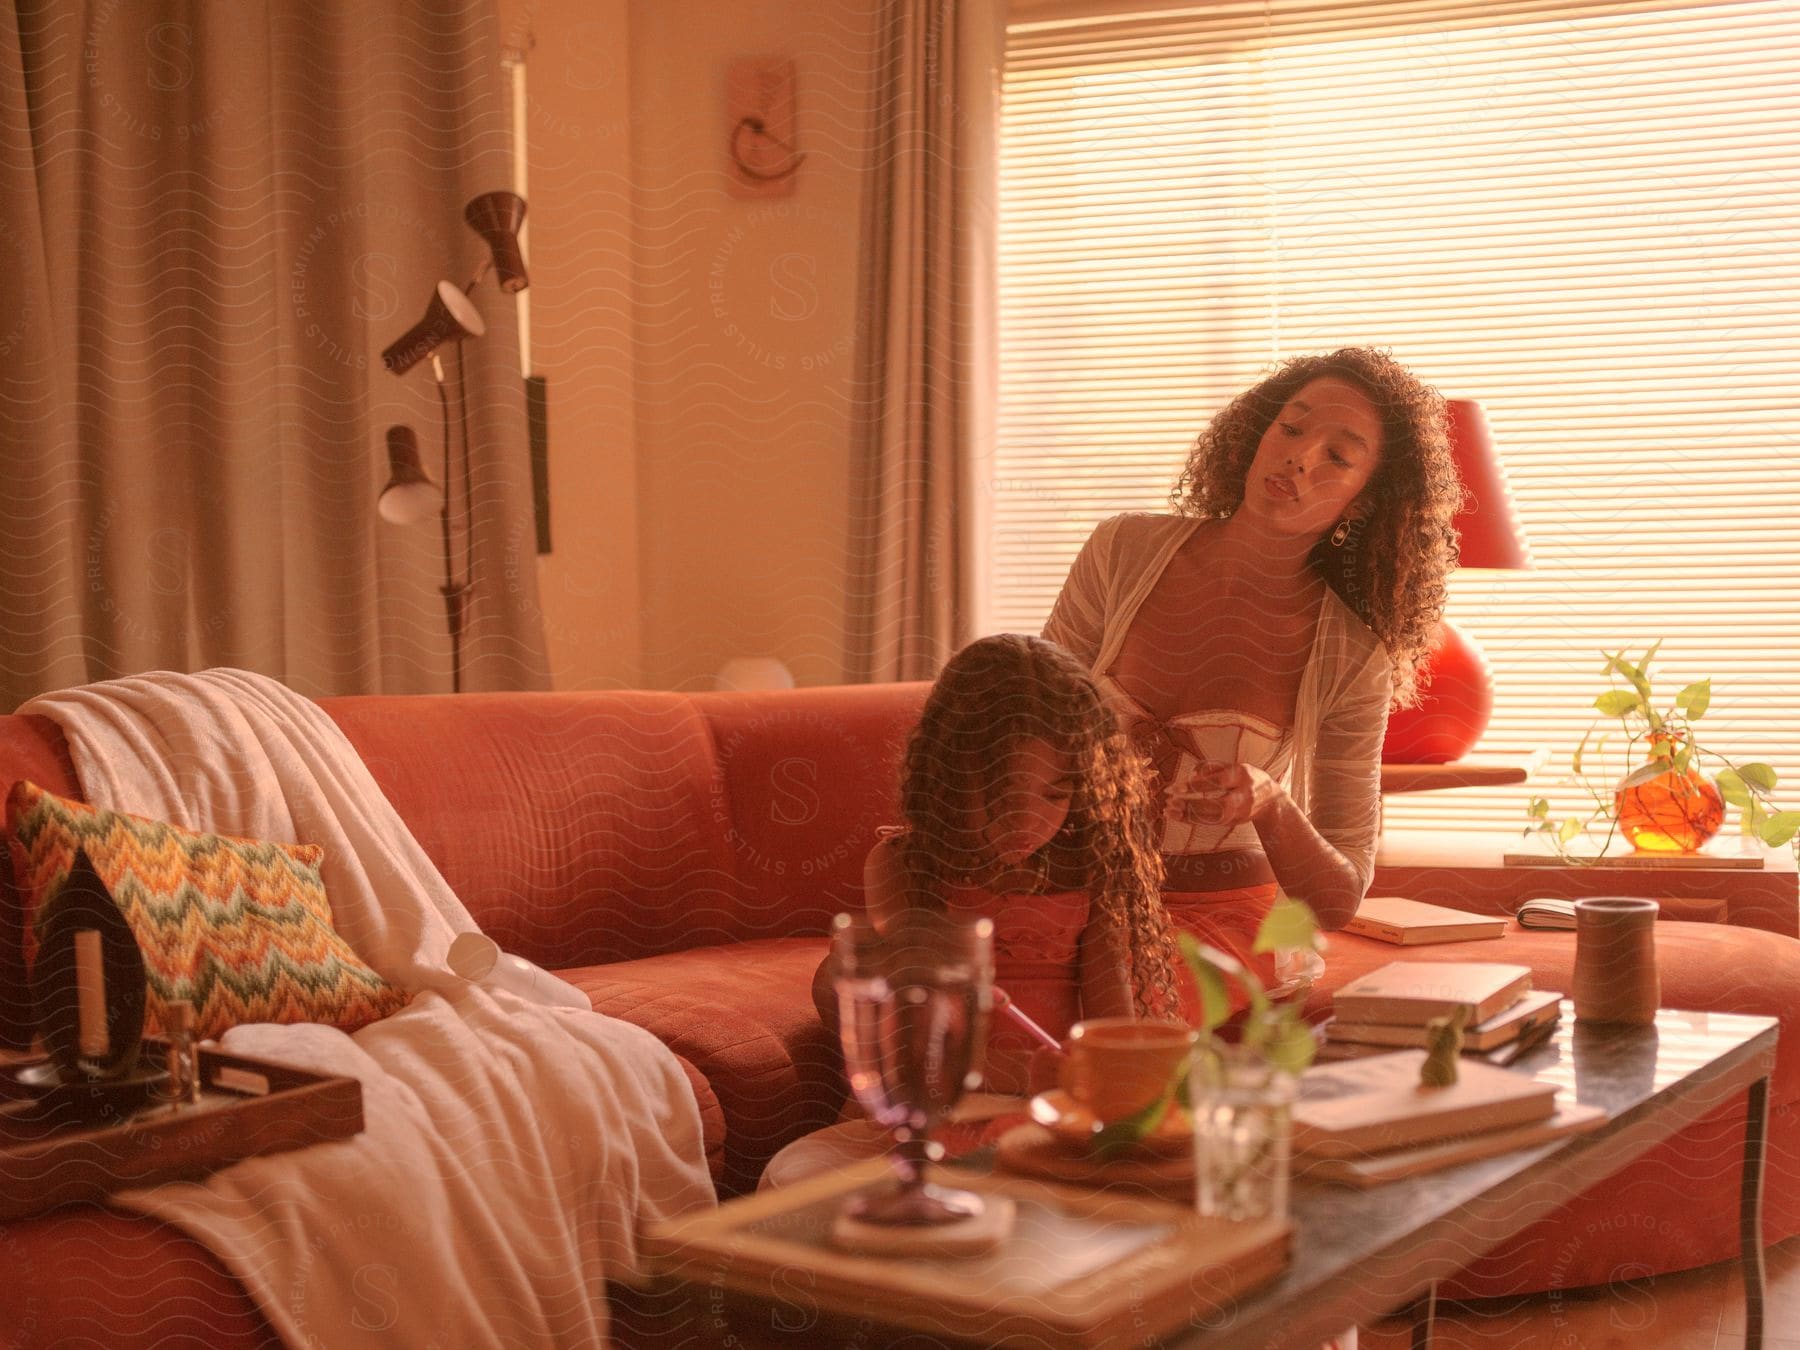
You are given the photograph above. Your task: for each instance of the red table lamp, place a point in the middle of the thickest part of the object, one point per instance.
(1454, 706)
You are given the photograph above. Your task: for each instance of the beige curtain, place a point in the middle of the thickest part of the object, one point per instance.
(925, 400)
(213, 218)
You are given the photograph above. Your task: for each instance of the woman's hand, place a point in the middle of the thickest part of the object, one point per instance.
(1224, 794)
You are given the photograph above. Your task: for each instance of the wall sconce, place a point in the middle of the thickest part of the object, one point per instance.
(450, 317)
(759, 118)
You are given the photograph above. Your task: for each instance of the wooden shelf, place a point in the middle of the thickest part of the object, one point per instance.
(1472, 771)
(1466, 870)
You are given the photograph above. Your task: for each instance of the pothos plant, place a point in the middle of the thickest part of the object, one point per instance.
(1273, 1031)
(1652, 743)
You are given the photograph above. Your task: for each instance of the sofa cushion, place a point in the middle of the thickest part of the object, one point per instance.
(240, 928)
(743, 1014)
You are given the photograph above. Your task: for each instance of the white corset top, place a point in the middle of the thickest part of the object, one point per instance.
(1209, 736)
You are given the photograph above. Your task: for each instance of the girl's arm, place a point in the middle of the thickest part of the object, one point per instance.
(884, 898)
(884, 884)
(1105, 970)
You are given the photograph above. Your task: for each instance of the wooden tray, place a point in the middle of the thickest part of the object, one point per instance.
(51, 1157)
(1081, 1268)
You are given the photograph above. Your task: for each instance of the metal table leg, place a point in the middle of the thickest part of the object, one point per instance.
(1424, 1315)
(1756, 1128)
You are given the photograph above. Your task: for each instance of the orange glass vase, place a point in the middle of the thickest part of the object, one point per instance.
(1674, 812)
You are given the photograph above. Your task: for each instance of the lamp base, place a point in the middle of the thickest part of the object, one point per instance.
(1453, 708)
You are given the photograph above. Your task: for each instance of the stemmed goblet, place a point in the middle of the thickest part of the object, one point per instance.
(913, 1006)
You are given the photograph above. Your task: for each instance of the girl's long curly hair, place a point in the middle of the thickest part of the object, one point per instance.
(994, 694)
(1391, 568)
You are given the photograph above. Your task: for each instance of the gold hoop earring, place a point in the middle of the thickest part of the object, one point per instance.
(1340, 534)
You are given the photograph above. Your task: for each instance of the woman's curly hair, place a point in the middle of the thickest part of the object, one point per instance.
(1391, 568)
(995, 693)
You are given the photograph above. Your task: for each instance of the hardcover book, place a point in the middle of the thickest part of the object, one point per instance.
(1531, 1011)
(1412, 923)
(1362, 1106)
(1417, 991)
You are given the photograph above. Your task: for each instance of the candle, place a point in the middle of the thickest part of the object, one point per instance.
(90, 989)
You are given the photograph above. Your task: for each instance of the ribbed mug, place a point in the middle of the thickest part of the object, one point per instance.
(1615, 960)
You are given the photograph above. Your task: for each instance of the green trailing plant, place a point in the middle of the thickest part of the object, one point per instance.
(1272, 1030)
(1652, 742)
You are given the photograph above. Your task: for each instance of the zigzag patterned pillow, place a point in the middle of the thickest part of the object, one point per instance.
(239, 928)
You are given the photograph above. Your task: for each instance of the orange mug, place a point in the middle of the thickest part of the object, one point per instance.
(1116, 1066)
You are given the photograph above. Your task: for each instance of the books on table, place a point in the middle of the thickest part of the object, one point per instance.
(1375, 1168)
(1412, 923)
(1414, 992)
(1546, 912)
(1375, 1105)
(1529, 1012)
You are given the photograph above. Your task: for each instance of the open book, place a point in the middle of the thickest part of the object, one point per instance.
(1546, 912)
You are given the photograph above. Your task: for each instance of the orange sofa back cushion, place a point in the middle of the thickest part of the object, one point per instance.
(584, 828)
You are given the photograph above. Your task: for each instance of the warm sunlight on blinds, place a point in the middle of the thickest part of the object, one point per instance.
(1584, 216)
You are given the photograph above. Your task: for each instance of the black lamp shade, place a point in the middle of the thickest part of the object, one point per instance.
(496, 217)
(450, 317)
(410, 494)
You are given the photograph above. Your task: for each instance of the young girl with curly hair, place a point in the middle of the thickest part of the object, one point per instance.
(1254, 642)
(1023, 802)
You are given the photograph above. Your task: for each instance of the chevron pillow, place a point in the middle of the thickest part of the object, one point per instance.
(239, 928)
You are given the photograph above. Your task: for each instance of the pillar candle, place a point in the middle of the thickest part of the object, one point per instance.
(90, 988)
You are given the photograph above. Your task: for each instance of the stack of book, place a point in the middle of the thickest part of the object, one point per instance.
(1366, 1121)
(1394, 1006)
(1369, 1119)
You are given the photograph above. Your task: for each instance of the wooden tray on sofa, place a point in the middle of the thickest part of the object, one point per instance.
(247, 1107)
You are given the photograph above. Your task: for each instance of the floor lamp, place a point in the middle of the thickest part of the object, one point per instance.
(1454, 706)
(451, 317)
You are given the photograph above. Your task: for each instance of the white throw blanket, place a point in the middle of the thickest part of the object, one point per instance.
(511, 1148)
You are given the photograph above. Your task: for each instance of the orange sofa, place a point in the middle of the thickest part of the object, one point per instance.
(678, 858)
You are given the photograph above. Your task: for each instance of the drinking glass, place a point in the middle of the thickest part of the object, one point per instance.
(1242, 1126)
(913, 1006)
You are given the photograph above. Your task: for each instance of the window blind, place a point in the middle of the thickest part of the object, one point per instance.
(1581, 215)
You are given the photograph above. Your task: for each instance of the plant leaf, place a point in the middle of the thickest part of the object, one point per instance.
(1732, 788)
(1570, 828)
(1758, 775)
(1779, 828)
(1695, 699)
(1618, 702)
(1538, 808)
(1210, 966)
(1644, 661)
(1656, 768)
(1288, 926)
(1630, 672)
(1122, 1133)
(1575, 759)
(1291, 1045)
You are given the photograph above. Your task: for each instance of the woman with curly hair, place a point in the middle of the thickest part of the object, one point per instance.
(1254, 641)
(1023, 802)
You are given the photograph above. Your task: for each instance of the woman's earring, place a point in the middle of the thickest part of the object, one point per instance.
(1340, 534)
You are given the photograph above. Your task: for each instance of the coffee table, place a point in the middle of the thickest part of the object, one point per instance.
(1358, 1255)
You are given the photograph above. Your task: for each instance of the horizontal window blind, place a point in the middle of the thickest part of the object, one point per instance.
(1581, 215)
